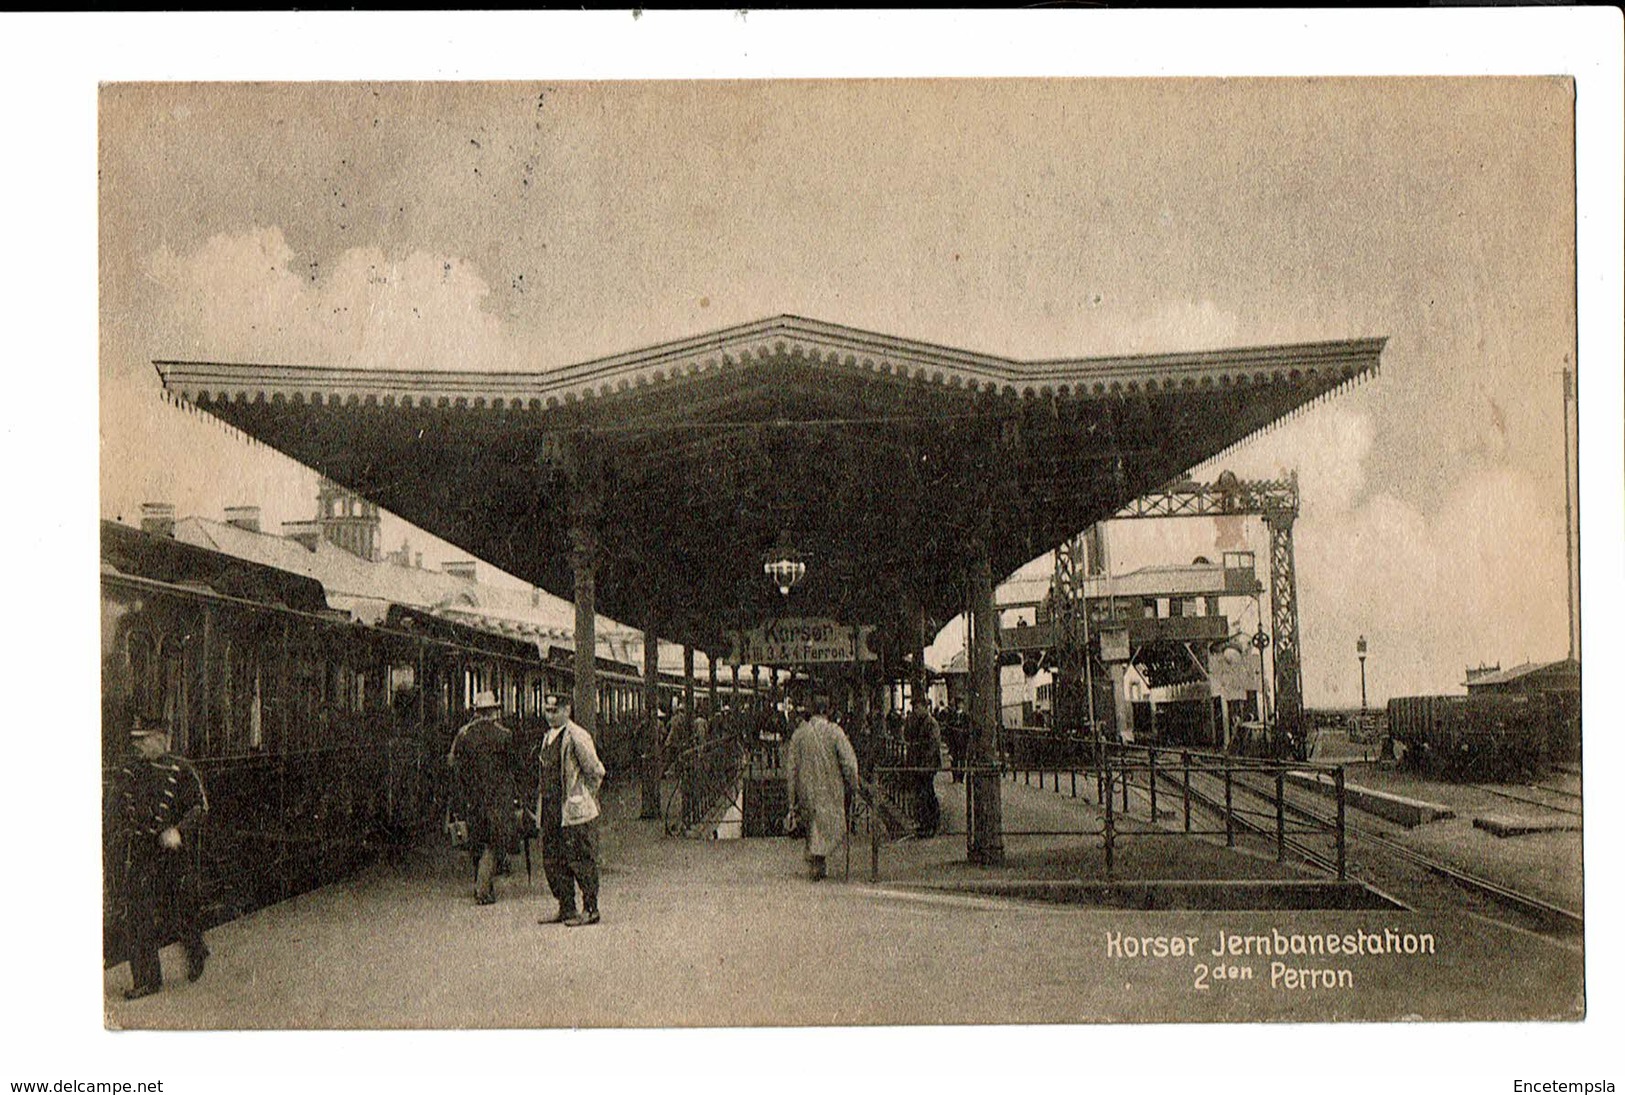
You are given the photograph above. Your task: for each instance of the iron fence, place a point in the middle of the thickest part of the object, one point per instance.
(1144, 792)
(704, 779)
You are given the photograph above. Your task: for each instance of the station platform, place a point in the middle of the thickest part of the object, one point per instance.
(730, 933)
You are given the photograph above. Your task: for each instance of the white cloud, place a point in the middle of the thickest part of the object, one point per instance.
(241, 296)
(1434, 590)
(1477, 578)
(1187, 324)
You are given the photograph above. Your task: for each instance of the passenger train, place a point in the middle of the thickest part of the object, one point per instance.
(321, 740)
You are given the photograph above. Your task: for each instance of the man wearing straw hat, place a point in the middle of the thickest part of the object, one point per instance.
(482, 758)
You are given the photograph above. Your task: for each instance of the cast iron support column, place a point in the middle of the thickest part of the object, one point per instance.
(986, 838)
(688, 685)
(650, 792)
(583, 561)
(921, 683)
(711, 672)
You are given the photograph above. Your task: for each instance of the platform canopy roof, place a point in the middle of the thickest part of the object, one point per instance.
(880, 458)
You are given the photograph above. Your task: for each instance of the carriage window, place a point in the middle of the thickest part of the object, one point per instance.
(306, 700)
(172, 706)
(256, 724)
(401, 683)
(244, 699)
(145, 683)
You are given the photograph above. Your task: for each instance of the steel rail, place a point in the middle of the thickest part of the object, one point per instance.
(1527, 903)
(1529, 801)
(1240, 819)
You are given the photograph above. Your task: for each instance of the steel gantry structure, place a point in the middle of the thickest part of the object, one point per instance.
(1276, 501)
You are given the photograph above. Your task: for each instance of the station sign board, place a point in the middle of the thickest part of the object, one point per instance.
(1114, 646)
(798, 640)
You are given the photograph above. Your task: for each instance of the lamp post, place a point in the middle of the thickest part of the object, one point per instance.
(1261, 643)
(1359, 648)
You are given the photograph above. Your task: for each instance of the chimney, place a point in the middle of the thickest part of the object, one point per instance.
(306, 533)
(246, 518)
(459, 568)
(418, 560)
(158, 518)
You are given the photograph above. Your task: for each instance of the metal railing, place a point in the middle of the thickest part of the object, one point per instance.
(704, 779)
(1247, 794)
(1135, 789)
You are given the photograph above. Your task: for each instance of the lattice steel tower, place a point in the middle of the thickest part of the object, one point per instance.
(1276, 501)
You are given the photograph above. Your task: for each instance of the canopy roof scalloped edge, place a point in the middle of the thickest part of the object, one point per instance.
(815, 342)
(1287, 379)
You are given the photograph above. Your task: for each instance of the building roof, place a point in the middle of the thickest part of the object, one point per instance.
(137, 554)
(1194, 580)
(1161, 580)
(367, 589)
(1519, 672)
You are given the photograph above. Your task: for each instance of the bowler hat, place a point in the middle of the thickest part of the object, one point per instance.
(146, 725)
(486, 699)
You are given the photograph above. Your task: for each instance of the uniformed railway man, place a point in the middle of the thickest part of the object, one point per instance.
(157, 807)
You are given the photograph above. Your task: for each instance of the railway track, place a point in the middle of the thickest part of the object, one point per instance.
(1542, 911)
(1364, 845)
(1245, 823)
(1563, 809)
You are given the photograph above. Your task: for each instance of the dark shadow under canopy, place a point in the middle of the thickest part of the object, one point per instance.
(883, 459)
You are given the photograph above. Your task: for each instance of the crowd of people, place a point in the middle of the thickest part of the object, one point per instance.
(157, 803)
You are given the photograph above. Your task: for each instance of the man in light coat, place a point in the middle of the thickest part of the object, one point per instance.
(567, 809)
(821, 768)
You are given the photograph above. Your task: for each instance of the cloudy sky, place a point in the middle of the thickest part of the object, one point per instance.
(533, 225)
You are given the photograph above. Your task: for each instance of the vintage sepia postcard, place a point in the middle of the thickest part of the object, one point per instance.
(887, 551)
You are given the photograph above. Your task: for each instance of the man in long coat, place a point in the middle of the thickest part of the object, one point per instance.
(156, 808)
(482, 758)
(924, 742)
(821, 769)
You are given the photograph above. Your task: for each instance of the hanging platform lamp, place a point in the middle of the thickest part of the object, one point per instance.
(784, 565)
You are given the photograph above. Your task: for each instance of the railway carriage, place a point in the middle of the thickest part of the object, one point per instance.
(1483, 737)
(321, 740)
